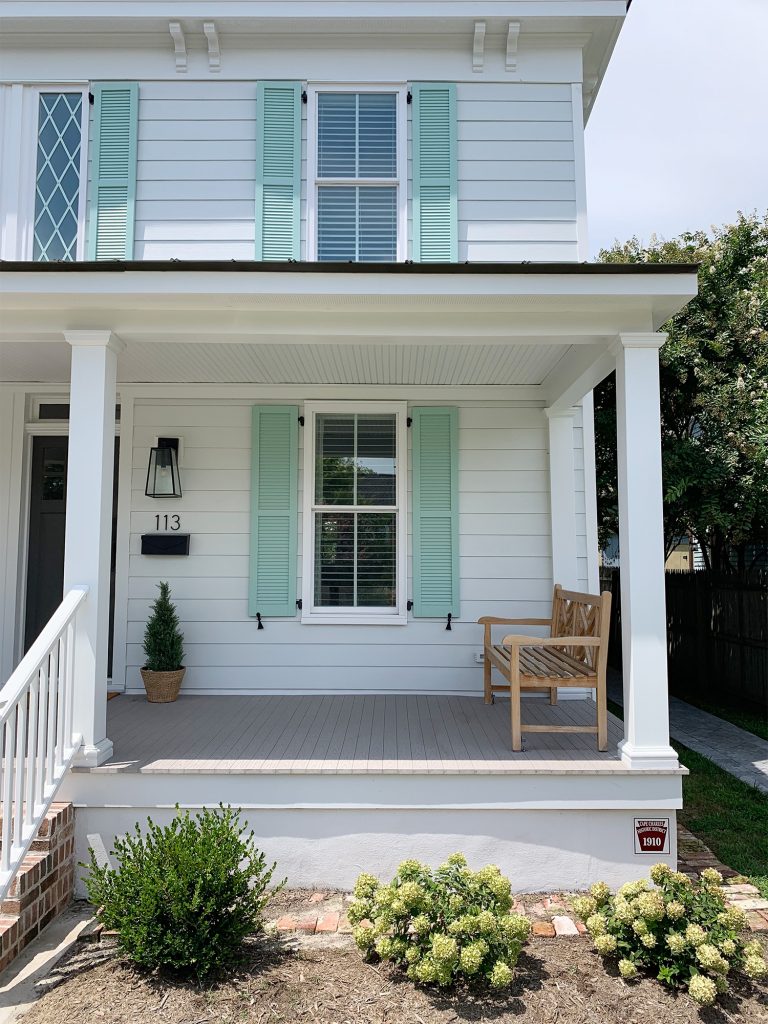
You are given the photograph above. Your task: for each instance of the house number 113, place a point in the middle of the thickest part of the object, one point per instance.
(168, 523)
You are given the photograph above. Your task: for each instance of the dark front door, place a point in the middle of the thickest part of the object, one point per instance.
(47, 520)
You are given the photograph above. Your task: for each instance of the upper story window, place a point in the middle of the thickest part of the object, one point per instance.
(356, 159)
(57, 233)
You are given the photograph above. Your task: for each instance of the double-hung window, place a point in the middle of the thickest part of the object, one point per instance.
(357, 189)
(354, 512)
(60, 170)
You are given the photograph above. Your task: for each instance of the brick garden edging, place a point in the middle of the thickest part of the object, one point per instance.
(551, 916)
(44, 885)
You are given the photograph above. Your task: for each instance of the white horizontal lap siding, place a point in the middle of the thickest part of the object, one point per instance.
(505, 560)
(196, 173)
(516, 172)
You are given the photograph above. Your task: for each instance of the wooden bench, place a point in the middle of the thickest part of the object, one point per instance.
(574, 654)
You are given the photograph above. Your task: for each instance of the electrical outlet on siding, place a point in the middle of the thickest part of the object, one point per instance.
(479, 657)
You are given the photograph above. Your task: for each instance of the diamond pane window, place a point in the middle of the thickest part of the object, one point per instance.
(57, 191)
(356, 177)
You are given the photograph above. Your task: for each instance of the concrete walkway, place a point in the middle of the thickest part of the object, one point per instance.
(733, 749)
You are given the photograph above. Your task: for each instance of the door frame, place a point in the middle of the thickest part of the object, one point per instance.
(57, 428)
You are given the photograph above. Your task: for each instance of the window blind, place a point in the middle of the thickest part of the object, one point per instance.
(357, 142)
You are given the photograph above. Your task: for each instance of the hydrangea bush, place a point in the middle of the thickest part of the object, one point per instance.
(441, 925)
(682, 932)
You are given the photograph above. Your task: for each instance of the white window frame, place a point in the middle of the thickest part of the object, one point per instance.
(27, 226)
(360, 616)
(400, 89)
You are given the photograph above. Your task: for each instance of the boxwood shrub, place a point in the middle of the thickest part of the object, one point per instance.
(183, 896)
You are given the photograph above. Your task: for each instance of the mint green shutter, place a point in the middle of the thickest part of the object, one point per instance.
(274, 521)
(435, 512)
(113, 175)
(278, 170)
(435, 200)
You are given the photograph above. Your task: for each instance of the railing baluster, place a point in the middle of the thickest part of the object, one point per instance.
(60, 709)
(69, 682)
(19, 771)
(50, 745)
(30, 797)
(9, 738)
(42, 712)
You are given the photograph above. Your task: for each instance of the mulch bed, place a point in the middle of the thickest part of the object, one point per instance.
(557, 981)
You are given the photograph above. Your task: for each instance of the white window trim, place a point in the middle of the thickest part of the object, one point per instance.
(360, 616)
(27, 223)
(401, 91)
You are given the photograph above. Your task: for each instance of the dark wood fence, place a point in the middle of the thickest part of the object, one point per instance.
(717, 635)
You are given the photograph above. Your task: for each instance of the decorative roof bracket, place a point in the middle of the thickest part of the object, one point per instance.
(214, 50)
(513, 35)
(179, 45)
(478, 47)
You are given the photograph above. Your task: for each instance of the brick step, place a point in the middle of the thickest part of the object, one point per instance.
(43, 885)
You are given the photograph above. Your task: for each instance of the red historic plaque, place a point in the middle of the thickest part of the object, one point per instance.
(651, 835)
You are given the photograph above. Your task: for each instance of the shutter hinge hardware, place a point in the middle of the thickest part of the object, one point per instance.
(409, 421)
(448, 626)
(409, 606)
(409, 97)
(299, 604)
(301, 421)
(258, 619)
(303, 95)
(91, 98)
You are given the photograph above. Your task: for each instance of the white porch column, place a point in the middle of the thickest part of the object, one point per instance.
(562, 497)
(87, 542)
(641, 552)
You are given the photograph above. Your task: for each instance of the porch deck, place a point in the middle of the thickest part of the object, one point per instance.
(350, 734)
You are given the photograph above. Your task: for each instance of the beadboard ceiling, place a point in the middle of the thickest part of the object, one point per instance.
(225, 363)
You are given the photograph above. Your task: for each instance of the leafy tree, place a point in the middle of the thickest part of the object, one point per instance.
(714, 397)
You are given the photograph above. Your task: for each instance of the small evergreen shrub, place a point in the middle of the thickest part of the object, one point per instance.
(681, 932)
(163, 640)
(441, 926)
(185, 896)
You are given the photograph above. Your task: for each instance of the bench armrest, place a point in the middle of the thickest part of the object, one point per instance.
(493, 620)
(514, 640)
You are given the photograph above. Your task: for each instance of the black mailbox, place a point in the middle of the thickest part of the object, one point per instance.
(165, 543)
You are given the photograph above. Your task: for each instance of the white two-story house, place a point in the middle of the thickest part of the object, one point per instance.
(334, 255)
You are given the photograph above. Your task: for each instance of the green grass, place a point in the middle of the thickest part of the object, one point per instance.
(749, 720)
(725, 813)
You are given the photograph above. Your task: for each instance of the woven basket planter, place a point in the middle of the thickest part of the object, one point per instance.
(162, 687)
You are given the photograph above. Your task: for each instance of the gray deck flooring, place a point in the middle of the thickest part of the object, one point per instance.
(349, 733)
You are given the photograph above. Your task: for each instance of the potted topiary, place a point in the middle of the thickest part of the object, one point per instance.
(164, 650)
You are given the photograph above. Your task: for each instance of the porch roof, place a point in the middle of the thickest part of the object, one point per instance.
(315, 323)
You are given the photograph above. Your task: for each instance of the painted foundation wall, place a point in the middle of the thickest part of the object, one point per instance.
(539, 850)
(505, 559)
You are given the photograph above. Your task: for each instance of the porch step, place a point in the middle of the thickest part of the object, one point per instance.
(44, 884)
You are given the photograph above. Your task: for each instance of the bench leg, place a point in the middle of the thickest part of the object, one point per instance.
(602, 717)
(487, 691)
(553, 695)
(514, 705)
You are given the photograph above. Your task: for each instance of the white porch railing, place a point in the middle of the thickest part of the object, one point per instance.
(36, 728)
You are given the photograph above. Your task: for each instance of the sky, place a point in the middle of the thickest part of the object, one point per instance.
(678, 136)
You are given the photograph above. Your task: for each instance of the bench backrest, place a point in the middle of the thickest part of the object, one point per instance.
(576, 614)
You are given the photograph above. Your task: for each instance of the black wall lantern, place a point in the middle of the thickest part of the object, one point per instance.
(163, 479)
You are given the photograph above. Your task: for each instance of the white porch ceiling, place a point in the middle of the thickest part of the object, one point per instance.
(550, 325)
(225, 363)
